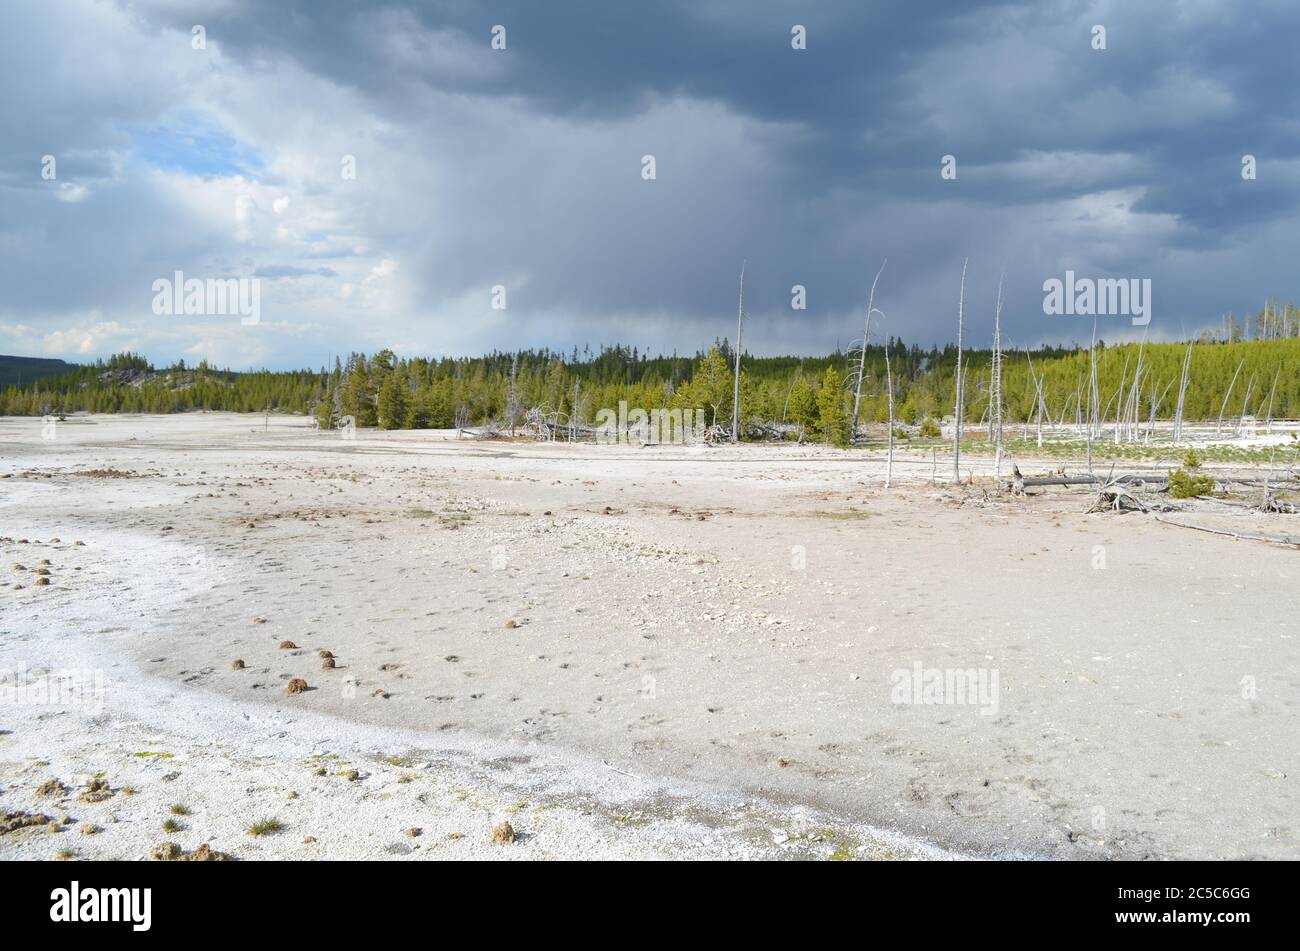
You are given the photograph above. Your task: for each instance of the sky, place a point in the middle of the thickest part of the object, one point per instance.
(453, 178)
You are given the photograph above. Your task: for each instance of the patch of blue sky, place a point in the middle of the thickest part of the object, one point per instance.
(191, 144)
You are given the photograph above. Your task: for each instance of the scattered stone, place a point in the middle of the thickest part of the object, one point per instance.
(97, 790)
(297, 685)
(52, 787)
(323, 654)
(237, 664)
(89, 828)
(511, 624)
(351, 775)
(42, 581)
(414, 832)
(171, 852)
(327, 663)
(288, 646)
(259, 620)
(503, 834)
(13, 821)
(308, 840)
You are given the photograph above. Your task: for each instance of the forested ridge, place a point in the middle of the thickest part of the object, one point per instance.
(392, 392)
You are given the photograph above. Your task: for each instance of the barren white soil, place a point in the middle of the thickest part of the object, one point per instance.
(664, 652)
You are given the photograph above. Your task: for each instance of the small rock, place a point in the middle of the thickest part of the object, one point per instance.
(503, 834)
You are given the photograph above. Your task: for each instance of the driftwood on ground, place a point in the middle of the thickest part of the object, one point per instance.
(1291, 540)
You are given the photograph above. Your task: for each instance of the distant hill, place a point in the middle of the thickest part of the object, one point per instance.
(24, 370)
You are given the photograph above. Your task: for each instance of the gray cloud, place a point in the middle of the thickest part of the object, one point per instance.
(521, 168)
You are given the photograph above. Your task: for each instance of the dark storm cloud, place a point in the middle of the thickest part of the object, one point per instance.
(521, 168)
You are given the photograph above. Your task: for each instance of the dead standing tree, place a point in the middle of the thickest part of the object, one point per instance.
(740, 326)
(995, 384)
(889, 389)
(1182, 393)
(862, 360)
(1224, 408)
(956, 423)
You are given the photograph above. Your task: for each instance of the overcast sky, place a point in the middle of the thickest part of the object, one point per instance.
(523, 167)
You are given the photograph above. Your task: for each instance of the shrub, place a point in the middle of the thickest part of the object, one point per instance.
(1185, 485)
(1191, 460)
(930, 429)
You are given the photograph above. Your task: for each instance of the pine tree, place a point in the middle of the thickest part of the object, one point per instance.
(394, 402)
(832, 421)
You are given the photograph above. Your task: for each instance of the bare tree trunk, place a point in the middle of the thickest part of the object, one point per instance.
(1245, 405)
(1182, 392)
(1039, 400)
(1093, 396)
(995, 384)
(889, 389)
(957, 421)
(862, 361)
(1271, 393)
(740, 326)
(1137, 389)
(1224, 408)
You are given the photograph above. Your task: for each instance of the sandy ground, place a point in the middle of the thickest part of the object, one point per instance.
(669, 652)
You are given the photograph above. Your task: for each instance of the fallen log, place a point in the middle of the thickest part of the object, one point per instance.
(1290, 540)
(1032, 481)
(1152, 480)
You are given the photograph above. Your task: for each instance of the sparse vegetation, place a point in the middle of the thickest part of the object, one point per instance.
(1186, 485)
(265, 827)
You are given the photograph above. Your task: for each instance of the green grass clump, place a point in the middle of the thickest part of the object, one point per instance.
(265, 827)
